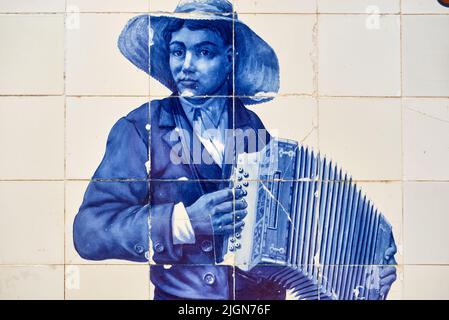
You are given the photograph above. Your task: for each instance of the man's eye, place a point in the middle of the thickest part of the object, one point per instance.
(177, 53)
(205, 52)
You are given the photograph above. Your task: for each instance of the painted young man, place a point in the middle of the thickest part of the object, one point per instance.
(163, 176)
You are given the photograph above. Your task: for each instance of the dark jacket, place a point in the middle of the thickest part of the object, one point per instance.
(125, 203)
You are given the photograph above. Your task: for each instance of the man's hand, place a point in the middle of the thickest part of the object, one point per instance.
(216, 212)
(387, 273)
(387, 277)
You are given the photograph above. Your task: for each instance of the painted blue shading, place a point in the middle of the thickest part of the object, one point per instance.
(123, 201)
(256, 64)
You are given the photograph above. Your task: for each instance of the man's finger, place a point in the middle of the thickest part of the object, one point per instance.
(240, 204)
(231, 218)
(225, 207)
(221, 196)
(388, 280)
(225, 219)
(229, 229)
(390, 252)
(386, 271)
(231, 206)
(384, 291)
(240, 215)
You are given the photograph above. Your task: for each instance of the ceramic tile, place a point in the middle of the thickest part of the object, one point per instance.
(426, 152)
(32, 6)
(254, 285)
(32, 137)
(357, 6)
(290, 117)
(423, 7)
(363, 136)
(213, 281)
(23, 222)
(426, 282)
(74, 194)
(111, 222)
(178, 235)
(32, 58)
(94, 64)
(106, 282)
(161, 85)
(296, 56)
(361, 283)
(169, 140)
(425, 64)
(273, 6)
(348, 233)
(31, 282)
(283, 214)
(89, 123)
(371, 67)
(387, 198)
(108, 5)
(425, 214)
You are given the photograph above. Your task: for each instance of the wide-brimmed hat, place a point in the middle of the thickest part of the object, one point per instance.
(256, 73)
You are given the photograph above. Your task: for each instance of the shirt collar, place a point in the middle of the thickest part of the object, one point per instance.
(213, 108)
(167, 108)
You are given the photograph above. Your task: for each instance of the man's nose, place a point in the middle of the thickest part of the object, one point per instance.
(189, 63)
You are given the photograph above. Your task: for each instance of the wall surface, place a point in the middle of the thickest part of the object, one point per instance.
(364, 82)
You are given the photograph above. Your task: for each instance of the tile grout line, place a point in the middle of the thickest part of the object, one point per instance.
(65, 140)
(316, 87)
(233, 278)
(282, 95)
(148, 280)
(401, 46)
(241, 13)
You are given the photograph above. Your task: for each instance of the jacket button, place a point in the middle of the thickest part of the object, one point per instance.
(139, 249)
(209, 278)
(206, 246)
(159, 247)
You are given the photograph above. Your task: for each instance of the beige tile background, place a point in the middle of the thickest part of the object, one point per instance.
(365, 82)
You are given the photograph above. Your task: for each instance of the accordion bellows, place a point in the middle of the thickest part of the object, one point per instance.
(309, 228)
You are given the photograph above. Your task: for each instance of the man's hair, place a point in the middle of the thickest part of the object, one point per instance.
(221, 27)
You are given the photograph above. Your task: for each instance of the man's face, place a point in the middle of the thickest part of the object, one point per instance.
(199, 61)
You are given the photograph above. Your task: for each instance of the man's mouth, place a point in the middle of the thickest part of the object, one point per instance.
(188, 82)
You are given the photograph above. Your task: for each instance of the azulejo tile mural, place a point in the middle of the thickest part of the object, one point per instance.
(217, 149)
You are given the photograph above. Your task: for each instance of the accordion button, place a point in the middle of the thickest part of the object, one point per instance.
(239, 186)
(239, 178)
(206, 246)
(240, 170)
(209, 278)
(246, 183)
(231, 248)
(246, 175)
(245, 193)
(237, 235)
(232, 239)
(237, 245)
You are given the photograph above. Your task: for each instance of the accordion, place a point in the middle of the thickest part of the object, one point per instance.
(308, 228)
